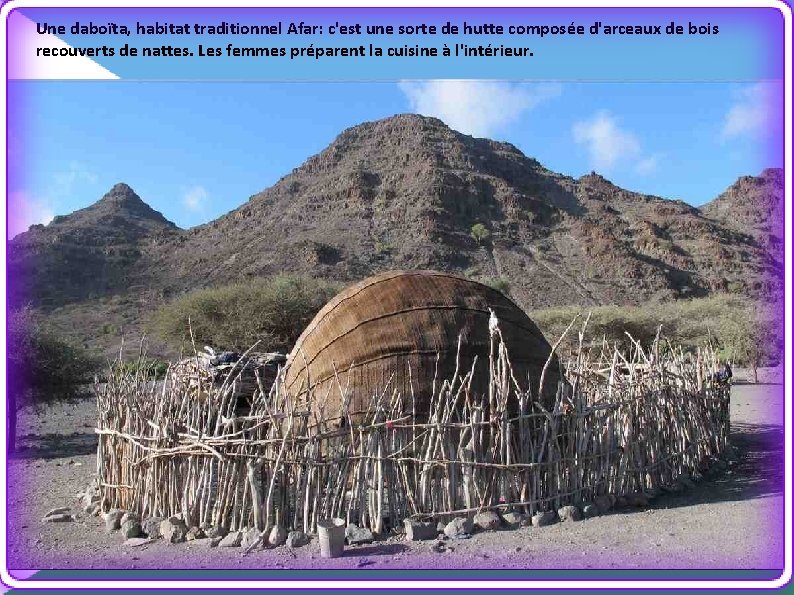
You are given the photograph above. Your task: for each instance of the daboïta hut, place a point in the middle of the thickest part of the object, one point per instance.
(400, 330)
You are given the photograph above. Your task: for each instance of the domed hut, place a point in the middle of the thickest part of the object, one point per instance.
(395, 328)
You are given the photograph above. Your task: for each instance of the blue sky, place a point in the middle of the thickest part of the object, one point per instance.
(194, 151)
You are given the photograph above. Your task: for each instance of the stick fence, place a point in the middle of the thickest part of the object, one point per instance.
(622, 423)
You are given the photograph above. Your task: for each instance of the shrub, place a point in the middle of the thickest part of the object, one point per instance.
(273, 311)
(743, 331)
(382, 248)
(480, 233)
(42, 367)
(499, 284)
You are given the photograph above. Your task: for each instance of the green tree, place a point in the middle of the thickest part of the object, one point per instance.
(42, 367)
(751, 339)
(480, 233)
(272, 310)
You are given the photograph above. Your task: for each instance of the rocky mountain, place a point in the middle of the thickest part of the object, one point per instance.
(104, 249)
(405, 192)
(754, 206)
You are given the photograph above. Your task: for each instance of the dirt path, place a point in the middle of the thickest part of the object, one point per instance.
(732, 521)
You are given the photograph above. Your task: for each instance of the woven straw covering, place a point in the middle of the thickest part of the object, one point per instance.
(391, 328)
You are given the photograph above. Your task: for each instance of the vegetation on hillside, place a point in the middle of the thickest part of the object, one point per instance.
(746, 332)
(272, 311)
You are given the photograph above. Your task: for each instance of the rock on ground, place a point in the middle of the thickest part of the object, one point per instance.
(278, 536)
(113, 519)
(58, 518)
(514, 520)
(151, 526)
(590, 511)
(419, 531)
(173, 530)
(569, 513)
(250, 537)
(542, 519)
(487, 520)
(356, 535)
(214, 532)
(195, 533)
(232, 540)
(297, 539)
(131, 528)
(459, 528)
(637, 499)
(604, 503)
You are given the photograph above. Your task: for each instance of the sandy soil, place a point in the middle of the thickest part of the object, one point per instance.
(734, 520)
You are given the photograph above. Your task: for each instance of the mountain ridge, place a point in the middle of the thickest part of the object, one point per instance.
(404, 193)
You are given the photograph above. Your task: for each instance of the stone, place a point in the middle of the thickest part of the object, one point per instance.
(487, 520)
(91, 509)
(131, 528)
(89, 498)
(543, 519)
(459, 528)
(355, 535)
(54, 511)
(195, 533)
(620, 502)
(232, 540)
(61, 517)
(569, 513)
(214, 532)
(419, 531)
(278, 536)
(151, 526)
(214, 541)
(673, 488)
(438, 547)
(729, 453)
(440, 526)
(173, 530)
(129, 516)
(297, 539)
(137, 541)
(250, 537)
(604, 503)
(113, 519)
(686, 482)
(514, 520)
(590, 510)
(637, 500)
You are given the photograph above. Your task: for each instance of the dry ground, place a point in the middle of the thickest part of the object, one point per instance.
(734, 520)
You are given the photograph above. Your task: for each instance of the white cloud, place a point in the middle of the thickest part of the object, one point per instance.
(479, 108)
(610, 146)
(66, 182)
(24, 211)
(754, 111)
(195, 197)
(647, 165)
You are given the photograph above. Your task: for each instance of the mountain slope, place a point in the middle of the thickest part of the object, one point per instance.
(102, 249)
(754, 205)
(404, 193)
